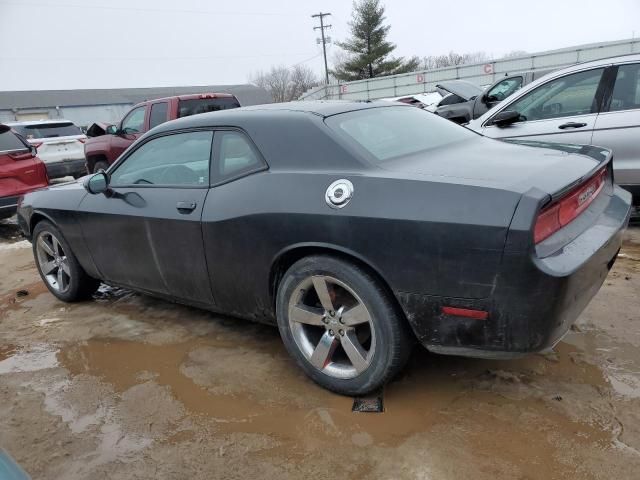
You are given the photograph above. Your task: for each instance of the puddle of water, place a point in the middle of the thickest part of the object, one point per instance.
(446, 389)
(39, 358)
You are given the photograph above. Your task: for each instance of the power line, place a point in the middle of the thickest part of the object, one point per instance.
(322, 28)
(56, 5)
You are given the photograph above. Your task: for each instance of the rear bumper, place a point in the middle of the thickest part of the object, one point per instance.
(65, 168)
(8, 206)
(535, 300)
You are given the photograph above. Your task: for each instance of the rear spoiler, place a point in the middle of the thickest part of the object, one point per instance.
(602, 155)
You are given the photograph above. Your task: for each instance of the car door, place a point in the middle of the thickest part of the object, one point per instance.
(146, 232)
(130, 129)
(563, 109)
(618, 125)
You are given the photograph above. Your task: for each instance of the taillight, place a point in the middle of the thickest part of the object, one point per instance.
(561, 213)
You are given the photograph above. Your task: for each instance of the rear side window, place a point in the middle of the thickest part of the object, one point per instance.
(158, 114)
(9, 141)
(204, 105)
(234, 155)
(391, 132)
(626, 91)
(48, 130)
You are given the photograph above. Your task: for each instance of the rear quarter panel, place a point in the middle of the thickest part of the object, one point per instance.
(420, 237)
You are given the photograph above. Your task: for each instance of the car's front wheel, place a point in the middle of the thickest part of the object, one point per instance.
(340, 325)
(58, 266)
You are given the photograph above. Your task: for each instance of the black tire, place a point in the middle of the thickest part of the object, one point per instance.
(80, 286)
(393, 338)
(100, 165)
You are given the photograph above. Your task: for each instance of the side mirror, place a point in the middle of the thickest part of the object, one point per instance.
(506, 117)
(111, 130)
(33, 151)
(96, 183)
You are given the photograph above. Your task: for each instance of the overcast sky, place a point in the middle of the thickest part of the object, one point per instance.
(66, 44)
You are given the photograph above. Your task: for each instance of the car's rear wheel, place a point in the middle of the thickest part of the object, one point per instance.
(58, 266)
(340, 325)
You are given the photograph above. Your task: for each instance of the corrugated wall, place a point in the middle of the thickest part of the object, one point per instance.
(480, 74)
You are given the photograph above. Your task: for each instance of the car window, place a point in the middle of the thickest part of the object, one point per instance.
(391, 132)
(47, 130)
(570, 95)
(178, 159)
(234, 155)
(158, 114)
(626, 91)
(504, 89)
(134, 122)
(203, 105)
(9, 141)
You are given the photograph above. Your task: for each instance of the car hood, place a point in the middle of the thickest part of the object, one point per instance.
(97, 129)
(461, 88)
(514, 166)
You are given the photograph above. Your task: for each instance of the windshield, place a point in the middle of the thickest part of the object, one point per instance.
(204, 105)
(47, 130)
(392, 132)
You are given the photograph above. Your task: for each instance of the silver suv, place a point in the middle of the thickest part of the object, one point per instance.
(595, 103)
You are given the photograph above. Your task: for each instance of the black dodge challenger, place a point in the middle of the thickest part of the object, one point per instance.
(356, 227)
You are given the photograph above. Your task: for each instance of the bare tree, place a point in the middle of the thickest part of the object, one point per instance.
(302, 79)
(515, 53)
(453, 59)
(284, 83)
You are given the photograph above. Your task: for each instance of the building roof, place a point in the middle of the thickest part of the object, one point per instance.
(246, 94)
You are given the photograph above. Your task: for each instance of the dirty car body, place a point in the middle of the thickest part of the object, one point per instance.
(457, 230)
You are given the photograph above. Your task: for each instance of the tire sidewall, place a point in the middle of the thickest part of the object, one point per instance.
(72, 293)
(382, 315)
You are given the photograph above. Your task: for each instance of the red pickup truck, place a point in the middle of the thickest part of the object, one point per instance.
(106, 143)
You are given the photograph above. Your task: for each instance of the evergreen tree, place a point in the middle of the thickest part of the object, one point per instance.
(368, 49)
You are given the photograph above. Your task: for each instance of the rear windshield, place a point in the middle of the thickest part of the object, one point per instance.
(47, 130)
(9, 141)
(391, 132)
(204, 105)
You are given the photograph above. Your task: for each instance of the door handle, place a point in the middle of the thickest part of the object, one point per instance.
(572, 125)
(186, 207)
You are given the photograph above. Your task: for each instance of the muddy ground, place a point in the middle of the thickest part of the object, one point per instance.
(130, 387)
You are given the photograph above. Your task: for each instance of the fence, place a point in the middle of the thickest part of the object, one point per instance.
(479, 73)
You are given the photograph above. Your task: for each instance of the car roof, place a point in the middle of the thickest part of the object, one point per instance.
(37, 122)
(188, 96)
(631, 57)
(240, 116)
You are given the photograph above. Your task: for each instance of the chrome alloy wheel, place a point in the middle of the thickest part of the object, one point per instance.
(332, 326)
(53, 262)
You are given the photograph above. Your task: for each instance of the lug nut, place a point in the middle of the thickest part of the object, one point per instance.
(325, 320)
(332, 313)
(342, 321)
(331, 333)
(342, 332)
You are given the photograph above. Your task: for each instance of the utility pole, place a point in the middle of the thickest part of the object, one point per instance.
(324, 40)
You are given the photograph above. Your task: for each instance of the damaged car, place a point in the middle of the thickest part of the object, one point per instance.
(463, 101)
(356, 228)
